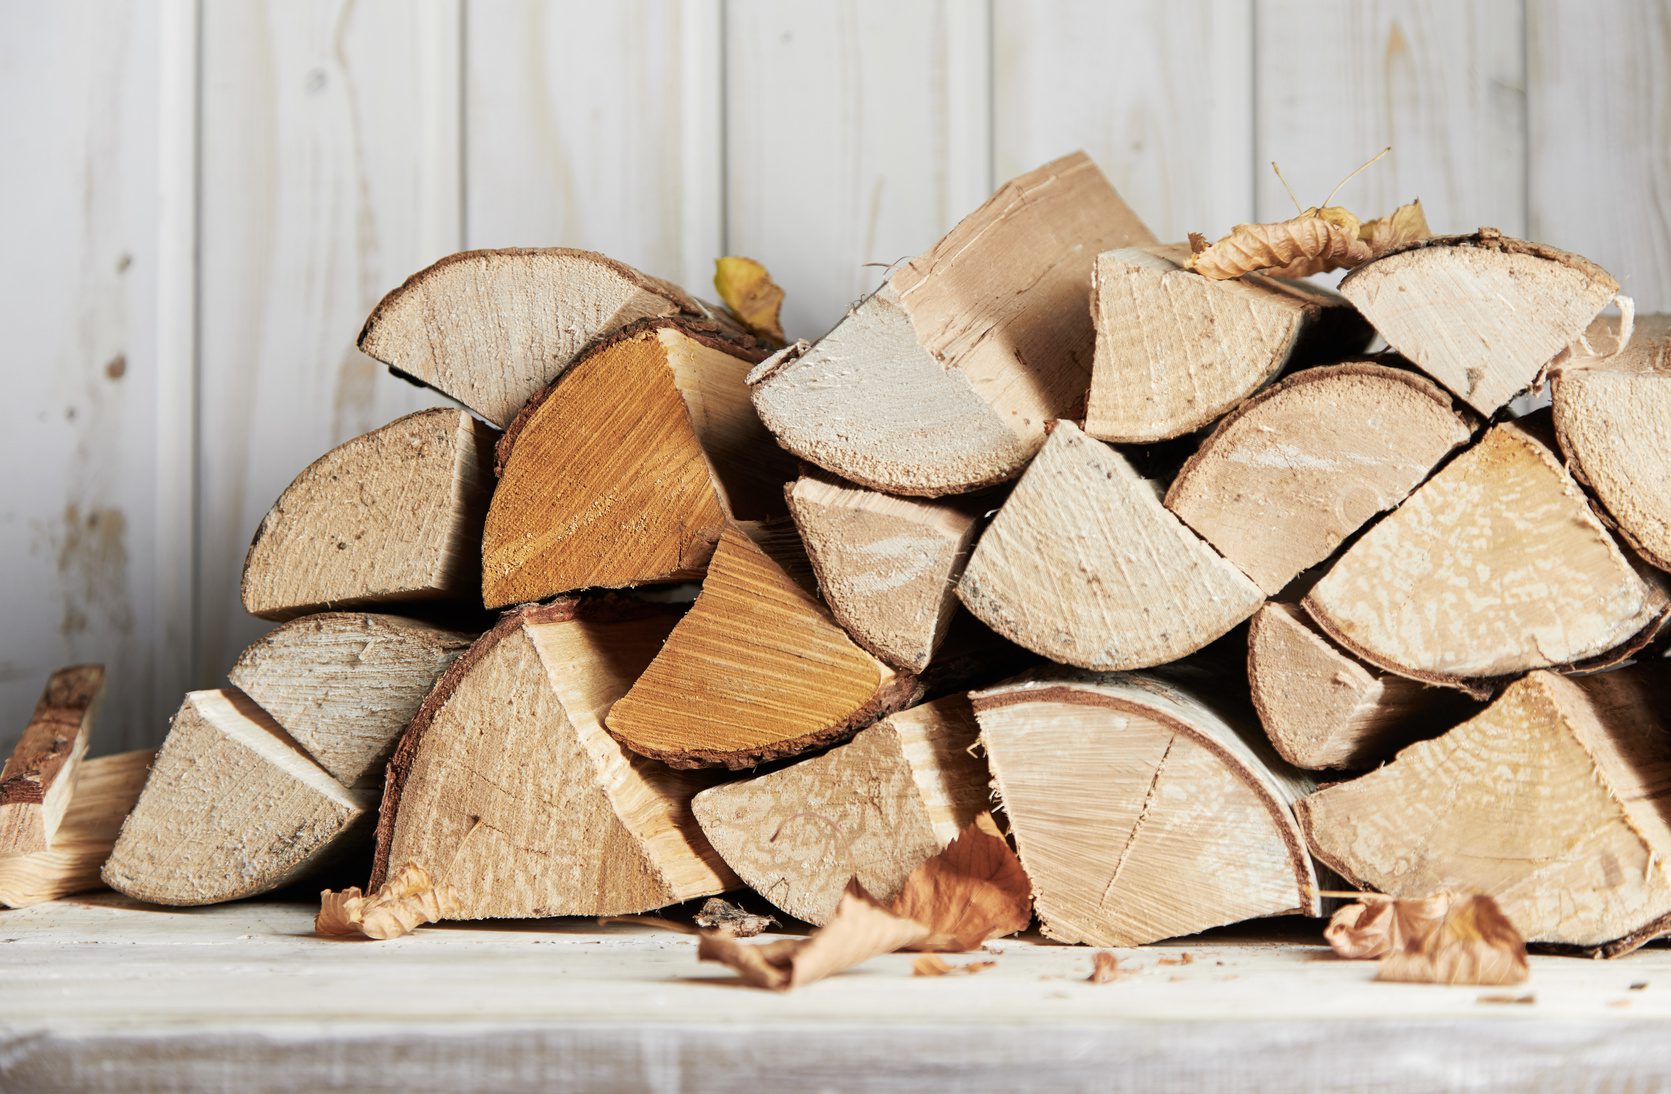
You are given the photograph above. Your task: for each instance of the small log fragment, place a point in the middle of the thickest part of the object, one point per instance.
(105, 792)
(39, 776)
(345, 684)
(625, 470)
(390, 517)
(491, 328)
(1323, 708)
(507, 787)
(233, 808)
(1292, 472)
(1613, 419)
(887, 566)
(945, 379)
(1554, 800)
(1172, 815)
(1085, 566)
(758, 669)
(1483, 313)
(875, 808)
(1175, 350)
(1493, 567)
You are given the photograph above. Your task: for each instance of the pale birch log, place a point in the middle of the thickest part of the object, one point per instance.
(105, 792)
(1143, 807)
(1175, 350)
(39, 776)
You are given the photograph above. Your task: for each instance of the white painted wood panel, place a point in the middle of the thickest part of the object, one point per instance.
(1599, 124)
(92, 563)
(857, 133)
(330, 172)
(1159, 94)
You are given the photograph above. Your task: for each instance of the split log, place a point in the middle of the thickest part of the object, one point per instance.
(758, 669)
(1085, 566)
(1554, 800)
(1613, 418)
(345, 684)
(491, 328)
(1483, 313)
(393, 516)
(1293, 471)
(1175, 350)
(39, 776)
(875, 808)
(233, 808)
(105, 792)
(1323, 708)
(1493, 567)
(507, 787)
(887, 566)
(1142, 806)
(945, 379)
(625, 471)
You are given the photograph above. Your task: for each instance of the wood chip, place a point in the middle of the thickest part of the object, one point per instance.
(722, 915)
(405, 902)
(929, 965)
(1105, 968)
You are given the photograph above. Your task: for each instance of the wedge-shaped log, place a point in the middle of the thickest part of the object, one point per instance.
(1169, 815)
(507, 787)
(887, 566)
(875, 808)
(1493, 567)
(392, 517)
(944, 379)
(233, 808)
(105, 792)
(1554, 800)
(1323, 708)
(1483, 313)
(1175, 350)
(625, 470)
(1293, 471)
(1613, 418)
(758, 669)
(40, 775)
(491, 328)
(345, 684)
(1085, 566)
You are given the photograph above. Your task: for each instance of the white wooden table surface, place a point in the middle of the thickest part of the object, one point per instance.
(104, 995)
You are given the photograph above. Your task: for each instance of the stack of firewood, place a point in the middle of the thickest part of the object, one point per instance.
(1133, 540)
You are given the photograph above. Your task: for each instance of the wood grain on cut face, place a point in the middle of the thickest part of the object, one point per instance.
(232, 808)
(40, 775)
(1175, 350)
(1293, 471)
(105, 792)
(391, 517)
(1084, 565)
(1168, 820)
(1553, 800)
(1493, 567)
(757, 669)
(625, 471)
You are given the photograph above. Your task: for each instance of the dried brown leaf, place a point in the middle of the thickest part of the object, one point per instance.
(860, 930)
(1316, 241)
(973, 890)
(722, 915)
(406, 901)
(1474, 944)
(930, 965)
(1377, 927)
(1405, 224)
(1105, 968)
(750, 293)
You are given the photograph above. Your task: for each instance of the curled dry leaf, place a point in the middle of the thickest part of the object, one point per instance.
(1105, 968)
(860, 930)
(1439, 939)
(1405, 224)
(1316, 241)
(972, 891)
(722, 915)
(930, 965)
(750, 293)
(406, 901)
(1377, 927)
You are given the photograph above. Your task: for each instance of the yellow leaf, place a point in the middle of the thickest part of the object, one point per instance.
(405, 902)
(972, 891)
(749, 292)
(1405, 224)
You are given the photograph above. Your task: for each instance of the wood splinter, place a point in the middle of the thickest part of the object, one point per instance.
(39, 777)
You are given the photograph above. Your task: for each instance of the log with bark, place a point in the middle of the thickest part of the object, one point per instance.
(945, 379)
(105, 792)
(39, 776)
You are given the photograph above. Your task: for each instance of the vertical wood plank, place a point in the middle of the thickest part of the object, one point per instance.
(596, 126)
(90, 573)
(1158, 93)
(1441, 81)
(1599, 126)
(330, 168)
(856, 133)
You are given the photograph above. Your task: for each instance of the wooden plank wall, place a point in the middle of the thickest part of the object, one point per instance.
(214, 194)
